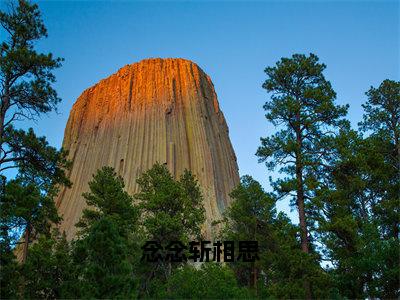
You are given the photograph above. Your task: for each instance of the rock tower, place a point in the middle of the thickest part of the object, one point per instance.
(163, 110)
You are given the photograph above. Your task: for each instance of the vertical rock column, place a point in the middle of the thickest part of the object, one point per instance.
(157, 110)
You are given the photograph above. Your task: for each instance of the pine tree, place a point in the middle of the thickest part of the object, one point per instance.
(26, 93)
(9, 269)
(172, 211)
(302, 107)
(25, 209)
(210, 281)
(103, 262)
(107, 198)
(382, 119)
(249, 217)
(107, 248)
(359, 205)
(48, 270)
(278, 274)
(344, 220)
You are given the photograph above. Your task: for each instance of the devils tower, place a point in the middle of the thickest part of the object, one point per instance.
(157, 110)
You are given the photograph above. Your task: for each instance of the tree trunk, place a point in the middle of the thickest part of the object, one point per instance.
(394, 128)
(303, 223)
(26, 243)
(5, 104)
(300, 199)
(2, 116)
(255, 278)
(301, 209)
(255, 273)
(397, 145)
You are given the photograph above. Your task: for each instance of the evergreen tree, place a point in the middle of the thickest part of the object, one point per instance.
(345, 221)
(382, 112)
(25, 209)
(278, 274)
(107, 198)
(48, 269)
(172, 211)
(360, 203)
(9, 269)
(105, 252)
(302, 106)
(103, 261)
(26, 92)
(210, 281)
(382, 119)
(249, 217)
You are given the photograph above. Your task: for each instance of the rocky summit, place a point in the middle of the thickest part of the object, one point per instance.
(157, 110)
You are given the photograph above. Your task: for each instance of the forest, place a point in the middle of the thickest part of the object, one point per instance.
(344, 182)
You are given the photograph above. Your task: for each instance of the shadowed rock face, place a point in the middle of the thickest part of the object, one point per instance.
(163, 110)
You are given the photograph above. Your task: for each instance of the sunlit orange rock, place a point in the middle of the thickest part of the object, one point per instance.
(163, 110)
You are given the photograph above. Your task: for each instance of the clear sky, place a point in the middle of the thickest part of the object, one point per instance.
(232, 42)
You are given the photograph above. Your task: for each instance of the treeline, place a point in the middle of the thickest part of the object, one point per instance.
(344, 183)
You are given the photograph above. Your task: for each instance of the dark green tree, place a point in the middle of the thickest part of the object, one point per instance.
(25, 209)
(382, 113)
(382, 120)
(26, 85)
(103, 261)
(210, 281)
(249, 217)
(302, 107)
(9, 269)
(280, 270)
(107, 198)
(382, 174)
(105, 253)
(36, 160)
(172, 211)
(359, 221)
(345, 220)
(26, 92)
(48, 270)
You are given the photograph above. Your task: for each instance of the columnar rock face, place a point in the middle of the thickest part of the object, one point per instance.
(157, 110)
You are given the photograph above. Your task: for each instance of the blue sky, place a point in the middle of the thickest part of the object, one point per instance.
(232, 42)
